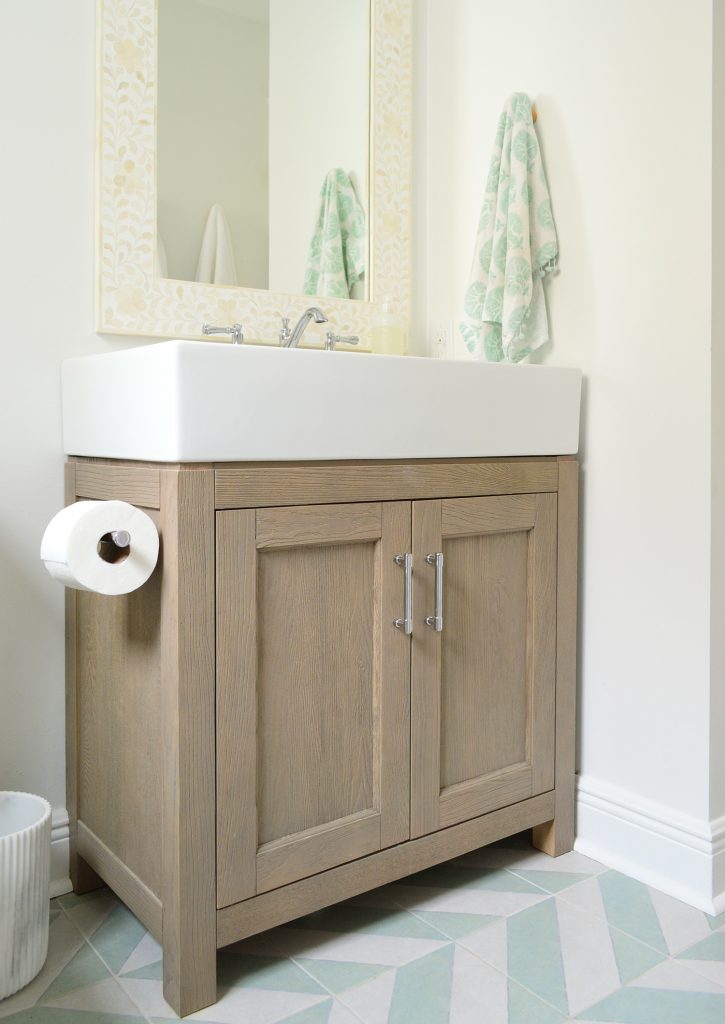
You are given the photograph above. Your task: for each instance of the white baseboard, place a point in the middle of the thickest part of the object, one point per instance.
(59, 852)
(682, 856)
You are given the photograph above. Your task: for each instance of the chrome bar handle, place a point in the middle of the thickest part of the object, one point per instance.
(406, 623)
(436, 620)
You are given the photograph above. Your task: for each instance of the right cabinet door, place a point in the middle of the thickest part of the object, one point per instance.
(483, 675)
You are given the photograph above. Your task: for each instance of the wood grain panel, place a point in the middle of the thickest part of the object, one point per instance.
(236, 560)
(316, 685)
(334, 524)
(344, 882)
(503, 514)
(484, 678)
(469, 799)
(425, 672)
(557, 836)
(317, 849)
(128, 887)
(120, 743)
(188, 777)
(266, 484)
(139, 485)
(542, 597)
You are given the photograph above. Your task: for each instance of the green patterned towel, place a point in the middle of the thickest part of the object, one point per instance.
(515, 247)
(336, 259)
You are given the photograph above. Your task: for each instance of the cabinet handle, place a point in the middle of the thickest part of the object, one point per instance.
(406, 623)
(436, 620)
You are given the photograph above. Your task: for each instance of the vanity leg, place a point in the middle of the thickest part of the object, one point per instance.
(188, 699)
(557, 836)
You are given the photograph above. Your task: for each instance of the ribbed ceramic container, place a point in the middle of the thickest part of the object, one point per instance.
(24, 878)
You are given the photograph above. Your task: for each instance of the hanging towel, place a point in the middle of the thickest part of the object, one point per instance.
(216, 259)
(336, 258)
(516, 245)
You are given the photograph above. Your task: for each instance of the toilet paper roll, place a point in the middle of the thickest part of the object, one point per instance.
(78, 550)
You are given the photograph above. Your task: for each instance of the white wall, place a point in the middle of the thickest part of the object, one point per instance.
(47, 69)
(213, 72)
(623, 92)
(319, 81)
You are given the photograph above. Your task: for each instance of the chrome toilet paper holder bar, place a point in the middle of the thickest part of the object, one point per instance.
(121, 538)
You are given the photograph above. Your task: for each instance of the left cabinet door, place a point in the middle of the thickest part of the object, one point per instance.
(313, 691)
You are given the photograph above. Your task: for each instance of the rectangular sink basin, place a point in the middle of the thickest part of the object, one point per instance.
(192, 401)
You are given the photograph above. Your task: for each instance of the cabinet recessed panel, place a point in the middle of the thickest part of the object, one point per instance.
(316, 686)
(484, 685)
(313, 727)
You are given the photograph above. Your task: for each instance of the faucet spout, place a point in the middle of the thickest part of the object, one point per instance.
(291, 339)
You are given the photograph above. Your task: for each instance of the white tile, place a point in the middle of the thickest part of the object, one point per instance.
(371, 1000)
(105, 996)
(682, 925)
(714, 970)
(468, 901)
(590, 967)
(479, 992)
(490, 944)
(147, 952)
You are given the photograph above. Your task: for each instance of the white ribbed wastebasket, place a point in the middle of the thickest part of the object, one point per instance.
(24, 878)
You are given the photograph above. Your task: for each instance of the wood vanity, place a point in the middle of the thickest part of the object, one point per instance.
(253, 735)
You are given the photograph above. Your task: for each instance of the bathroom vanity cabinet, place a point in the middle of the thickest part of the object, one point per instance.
(291, 711)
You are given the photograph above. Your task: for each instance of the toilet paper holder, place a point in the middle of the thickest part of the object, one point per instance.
(121, 538)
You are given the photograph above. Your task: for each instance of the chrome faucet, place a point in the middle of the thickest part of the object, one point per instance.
(291, 338)
(235, 331)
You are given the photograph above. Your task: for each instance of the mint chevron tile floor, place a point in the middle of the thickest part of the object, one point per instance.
(504, 935)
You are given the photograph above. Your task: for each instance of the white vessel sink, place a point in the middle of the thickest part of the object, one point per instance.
(191, 401)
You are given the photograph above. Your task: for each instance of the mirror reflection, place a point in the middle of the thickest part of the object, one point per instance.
(263, 131)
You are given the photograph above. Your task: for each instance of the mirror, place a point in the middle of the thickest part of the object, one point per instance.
(262, 135)
(304, 144)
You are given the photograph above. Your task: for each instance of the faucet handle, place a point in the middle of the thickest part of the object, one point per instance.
(285, 333)
(331, 340)
(236, 331)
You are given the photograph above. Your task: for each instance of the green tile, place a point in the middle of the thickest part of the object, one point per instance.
(337, 976)
(117, 937)
(534, 953)
(629, 907)
(450, 876)
(658, 1006)
(716, 922)
(422, 992)
(633, 958)
(319, 1014)
(456, 925)
(552, 881)
(243, 970)
(84, 969)
(368, 920)
(527, 1009)
(711, 948)
(53, 1015)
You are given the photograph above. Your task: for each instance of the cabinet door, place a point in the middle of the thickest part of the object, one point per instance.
(313, 714)
(483, 688)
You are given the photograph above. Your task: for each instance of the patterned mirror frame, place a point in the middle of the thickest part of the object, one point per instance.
(130, 299)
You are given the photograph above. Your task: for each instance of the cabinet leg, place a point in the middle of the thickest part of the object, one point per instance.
(189, 972)
(83, 877)
(556, 837)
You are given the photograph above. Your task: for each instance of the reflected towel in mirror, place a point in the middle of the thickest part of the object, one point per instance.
(336, 257)
(216, 259)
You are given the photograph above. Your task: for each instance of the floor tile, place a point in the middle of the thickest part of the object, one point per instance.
(105, 996)
(650, 916)
(347, 948)
(89, 911)
(117, 936)
(657, 1006)
(55, 1015)
(84, 969)
(64, 941)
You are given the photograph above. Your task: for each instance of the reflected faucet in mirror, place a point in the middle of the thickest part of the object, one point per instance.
(291, 338)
